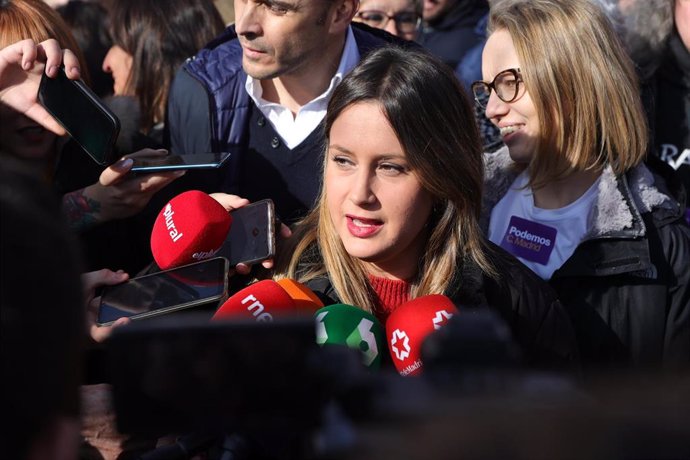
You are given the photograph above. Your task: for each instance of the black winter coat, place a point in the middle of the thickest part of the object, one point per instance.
(669, 108)
(538, 321)
(627, 285)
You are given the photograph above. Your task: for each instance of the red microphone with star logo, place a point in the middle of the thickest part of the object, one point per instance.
(410, 324)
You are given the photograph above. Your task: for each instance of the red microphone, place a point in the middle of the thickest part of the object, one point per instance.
(190, 227)
(410, 324)
(262, 301)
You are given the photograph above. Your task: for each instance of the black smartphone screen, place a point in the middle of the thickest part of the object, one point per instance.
(173, 162)
(252, 234)
(165, 291)
(83, 115)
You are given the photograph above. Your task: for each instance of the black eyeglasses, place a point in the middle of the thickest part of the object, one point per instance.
(506, 84)
(405, 22)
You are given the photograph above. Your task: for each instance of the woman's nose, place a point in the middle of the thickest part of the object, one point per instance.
(106, 62)
(495, 107)
(362, 191)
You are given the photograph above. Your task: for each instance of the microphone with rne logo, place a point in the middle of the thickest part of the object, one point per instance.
(190, 227)
(303, 297)
(263, 301)
(342, 324)
(410, 324)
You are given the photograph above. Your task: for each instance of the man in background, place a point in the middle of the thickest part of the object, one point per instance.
(260, 91)
(449, 29)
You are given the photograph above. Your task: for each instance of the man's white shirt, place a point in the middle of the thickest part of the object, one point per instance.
(294, 130)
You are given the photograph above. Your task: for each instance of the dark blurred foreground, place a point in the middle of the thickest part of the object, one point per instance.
(224, 389)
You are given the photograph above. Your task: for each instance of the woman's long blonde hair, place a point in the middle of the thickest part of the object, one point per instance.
(435, 124)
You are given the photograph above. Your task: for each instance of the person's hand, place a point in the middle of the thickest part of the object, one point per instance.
(229, 202)
(91, 281)
(21, 67)
(118, 194)
(232, 202)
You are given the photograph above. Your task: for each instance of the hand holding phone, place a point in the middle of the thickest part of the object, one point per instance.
(21, 73)
(83, 115)
(174, 162)
(252, 234)
(164, 292)
(120, 194)
(91, 282)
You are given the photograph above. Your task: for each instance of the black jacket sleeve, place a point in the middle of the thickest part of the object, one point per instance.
(539, 322)
(677, 333)
(188, 127)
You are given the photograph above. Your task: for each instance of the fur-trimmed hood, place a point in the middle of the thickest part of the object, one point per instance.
(617, 209)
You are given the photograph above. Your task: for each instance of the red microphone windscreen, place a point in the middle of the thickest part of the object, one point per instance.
(304, 298)
(410, 324)
(190, 227)
(262, 301)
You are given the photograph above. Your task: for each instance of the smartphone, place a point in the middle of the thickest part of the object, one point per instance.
(83, 115)
(174, 162)
(252, 234)
(164, 292)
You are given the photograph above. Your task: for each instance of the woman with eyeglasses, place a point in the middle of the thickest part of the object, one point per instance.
(570, 195)
(401, 18)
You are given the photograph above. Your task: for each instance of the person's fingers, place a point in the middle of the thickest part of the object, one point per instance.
(50, 51)
(243, 269)
(40, 115)
(29, 53)
(284, 231)
(90, 279)
(229, 202)
(92, 308)
(71, 63)
(117, 277)
(151, 183)
(116, 172)
(54, 57)
(268, 264)
(121, 322)
(103, 277)
(101, 333)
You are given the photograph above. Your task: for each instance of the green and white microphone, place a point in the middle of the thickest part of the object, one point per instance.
(342, 324)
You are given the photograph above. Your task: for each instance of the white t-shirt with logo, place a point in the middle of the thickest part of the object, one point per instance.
(543, 239)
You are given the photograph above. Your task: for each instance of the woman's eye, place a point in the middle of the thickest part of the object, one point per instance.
(341, 161)
(392, 168)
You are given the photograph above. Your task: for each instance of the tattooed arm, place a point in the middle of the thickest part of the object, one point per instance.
(80, 210)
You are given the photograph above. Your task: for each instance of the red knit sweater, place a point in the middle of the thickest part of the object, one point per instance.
(391, 294)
